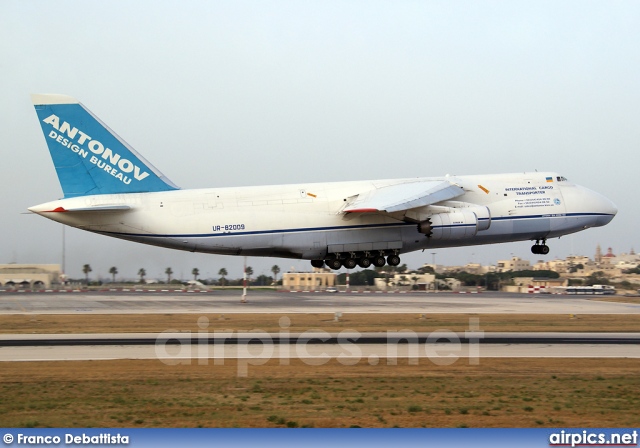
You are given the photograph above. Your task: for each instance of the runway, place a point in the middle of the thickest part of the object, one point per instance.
(304, 302)
(314, 348)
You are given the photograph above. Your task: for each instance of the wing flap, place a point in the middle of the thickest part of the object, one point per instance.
(405, 196)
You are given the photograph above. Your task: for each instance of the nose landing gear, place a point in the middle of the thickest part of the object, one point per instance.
(540, 249)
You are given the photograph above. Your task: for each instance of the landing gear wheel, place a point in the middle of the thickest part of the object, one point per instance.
(364, 262)
(349, 263)
(540, 249)
(379, 261)
(334, 263)
(317, 263)
(393, 260)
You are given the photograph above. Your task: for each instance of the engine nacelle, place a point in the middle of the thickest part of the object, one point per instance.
(483, 214)
(456, 225)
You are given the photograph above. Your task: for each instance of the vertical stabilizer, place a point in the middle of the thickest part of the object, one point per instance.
(88, 156)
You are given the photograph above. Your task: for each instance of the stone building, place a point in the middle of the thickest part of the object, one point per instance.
(515, 264)
(29, 276)
(317, 280)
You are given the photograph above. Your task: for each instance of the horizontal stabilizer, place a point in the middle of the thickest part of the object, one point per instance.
(44, 208)
(404, 196)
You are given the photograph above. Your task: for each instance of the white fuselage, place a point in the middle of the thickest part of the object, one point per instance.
(306, 220)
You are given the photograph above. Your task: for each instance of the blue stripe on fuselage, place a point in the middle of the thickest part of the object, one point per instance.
(332, 228)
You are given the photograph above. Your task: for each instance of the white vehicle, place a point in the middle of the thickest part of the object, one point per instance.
(112, 190)
(595, 289)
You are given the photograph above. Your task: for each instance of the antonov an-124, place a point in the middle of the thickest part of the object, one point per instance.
(112, 190)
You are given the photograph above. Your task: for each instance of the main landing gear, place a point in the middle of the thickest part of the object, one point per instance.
(352, 259)
(540, 249)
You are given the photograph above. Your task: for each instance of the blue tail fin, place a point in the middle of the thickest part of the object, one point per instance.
(88, 156)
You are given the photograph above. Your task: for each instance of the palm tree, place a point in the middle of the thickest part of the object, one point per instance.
(86, 269)
(276, 270)
(168, 271)
(222, 273)
(249, 272)
(195, 272)
(387, 270)
(113, 271)
(142, 273)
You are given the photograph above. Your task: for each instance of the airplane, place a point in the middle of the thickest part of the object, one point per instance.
(110, 189)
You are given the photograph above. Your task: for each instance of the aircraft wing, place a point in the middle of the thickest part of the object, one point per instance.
(405, 196)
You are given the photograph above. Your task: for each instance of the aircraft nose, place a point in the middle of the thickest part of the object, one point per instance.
(601, 209)
(607, 209)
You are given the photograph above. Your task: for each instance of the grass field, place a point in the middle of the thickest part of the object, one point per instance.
(496, 393)
(155, 323)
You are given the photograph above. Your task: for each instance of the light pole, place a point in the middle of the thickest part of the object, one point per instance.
(64, 255)
(435, 280)
(244, 282)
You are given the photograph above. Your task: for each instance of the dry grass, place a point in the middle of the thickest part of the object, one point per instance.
(154, 323)
(496, 393)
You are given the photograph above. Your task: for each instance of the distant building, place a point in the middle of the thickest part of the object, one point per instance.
(475, 268)
(29, 276)
(559, 266)
(515, 264)
(317, 280)
(531, 284)
(574, 260)
(406, 281)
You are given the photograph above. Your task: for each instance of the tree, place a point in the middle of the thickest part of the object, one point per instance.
(386, 270)
(113, 271)
(169, 272)
(426, 270)
(276, 270)
(597, 278)
(222, 273)
(86, 269)
(195, 272)
(359, 278)
(263, 280)
(142, 273)
(635, 270)
(575, 268)
(249, 271)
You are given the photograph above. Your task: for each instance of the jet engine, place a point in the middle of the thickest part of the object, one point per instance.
(456, 221)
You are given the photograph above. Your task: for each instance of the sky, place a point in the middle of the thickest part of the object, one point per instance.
(218, 93)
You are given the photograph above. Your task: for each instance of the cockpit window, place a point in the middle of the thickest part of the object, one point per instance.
(561, 178)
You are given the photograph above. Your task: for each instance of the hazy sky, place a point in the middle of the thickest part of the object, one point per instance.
(239, 93)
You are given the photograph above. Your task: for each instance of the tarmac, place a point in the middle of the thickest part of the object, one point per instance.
(230, 301)
(366, 348)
